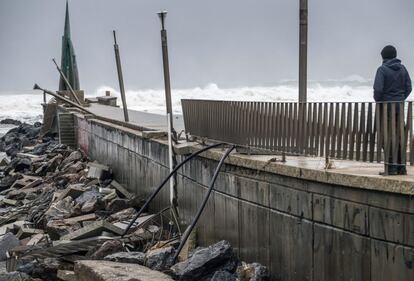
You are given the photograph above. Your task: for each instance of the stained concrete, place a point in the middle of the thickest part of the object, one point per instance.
(114, 271)
(302, 221)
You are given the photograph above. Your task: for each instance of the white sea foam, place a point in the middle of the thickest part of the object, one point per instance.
(26, 106)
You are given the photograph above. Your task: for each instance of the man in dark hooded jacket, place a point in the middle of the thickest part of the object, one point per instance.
(392, 84)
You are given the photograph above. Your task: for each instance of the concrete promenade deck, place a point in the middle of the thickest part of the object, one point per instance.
(149, 120)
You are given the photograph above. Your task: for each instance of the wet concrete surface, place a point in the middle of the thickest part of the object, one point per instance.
(149, 120)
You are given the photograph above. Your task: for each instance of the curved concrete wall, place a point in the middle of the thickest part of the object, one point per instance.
(301, 229)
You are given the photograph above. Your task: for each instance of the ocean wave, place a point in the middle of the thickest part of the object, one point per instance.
(26, 106)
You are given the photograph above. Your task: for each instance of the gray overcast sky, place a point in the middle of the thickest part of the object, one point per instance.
(228, 42)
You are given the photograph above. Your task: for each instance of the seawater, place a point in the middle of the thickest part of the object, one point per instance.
(26, 105)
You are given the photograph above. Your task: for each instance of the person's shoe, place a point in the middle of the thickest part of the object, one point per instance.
(390, 173)
(402, 171)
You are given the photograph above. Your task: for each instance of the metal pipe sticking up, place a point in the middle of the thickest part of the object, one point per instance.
(67, 82)
(120, 78)
(303, 50)
(158, 189)
(203, 205)
(37, 87)
(167, 82)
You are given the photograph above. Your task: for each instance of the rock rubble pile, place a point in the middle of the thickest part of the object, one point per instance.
(60, 214)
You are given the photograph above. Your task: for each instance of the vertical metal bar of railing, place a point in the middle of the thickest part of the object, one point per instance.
(335, 130)
(347, 130)
(402, 144)
(385, 137)
(372, 133)
(341, 132)
(378, 115)
(290, 129)
(393, 123)
(358, 133)
(322, 122)
(308, 140)
(365, 135)
(283, 122)
(410, 130)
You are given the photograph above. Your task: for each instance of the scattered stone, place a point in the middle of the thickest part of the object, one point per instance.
(9, 121)
(127, 257)
(253, 272)
(107, 248)
(223, 276)
(117, 205)
(66, 275)
(15, 276)
(7, 181)
(7, 242)
(74, 156)
(206, 261)
(160, 259)
(111, 271)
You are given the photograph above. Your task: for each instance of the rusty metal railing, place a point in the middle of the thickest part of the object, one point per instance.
(360, 131)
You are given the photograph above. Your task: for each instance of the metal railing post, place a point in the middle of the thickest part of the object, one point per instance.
(167, 82)
(120, 78)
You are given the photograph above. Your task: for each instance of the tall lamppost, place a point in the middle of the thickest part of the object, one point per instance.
(303, 50)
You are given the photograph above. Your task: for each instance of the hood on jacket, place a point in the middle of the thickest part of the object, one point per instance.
(393, 64)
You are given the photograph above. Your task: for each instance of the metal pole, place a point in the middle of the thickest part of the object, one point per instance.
(37, 87)
(120, 78)
(162, 15)
(303, 50)
(67, 82)
(171, 162)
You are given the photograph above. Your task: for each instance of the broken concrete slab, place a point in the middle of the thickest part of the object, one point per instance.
(114, 271)
(88, 217)
(98, 171)
(127, 257)
(28, 232)
(93, 229)
(121, 190)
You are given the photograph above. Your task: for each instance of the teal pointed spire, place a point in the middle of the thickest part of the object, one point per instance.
(68, 64)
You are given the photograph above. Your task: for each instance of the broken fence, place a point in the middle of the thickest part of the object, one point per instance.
(360, 131)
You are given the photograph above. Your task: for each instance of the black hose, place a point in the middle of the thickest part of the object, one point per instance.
(156, 191)
(203, 205)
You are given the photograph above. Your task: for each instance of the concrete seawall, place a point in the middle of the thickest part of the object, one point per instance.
(303, 223)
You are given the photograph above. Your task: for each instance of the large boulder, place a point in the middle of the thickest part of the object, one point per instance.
(22, 164)
(223, 276)
(206, 261)
(7, 181)
(160, 259)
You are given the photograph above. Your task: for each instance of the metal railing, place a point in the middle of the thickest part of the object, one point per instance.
(360, 131)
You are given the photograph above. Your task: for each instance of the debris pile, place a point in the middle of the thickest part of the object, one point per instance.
(63, 217)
